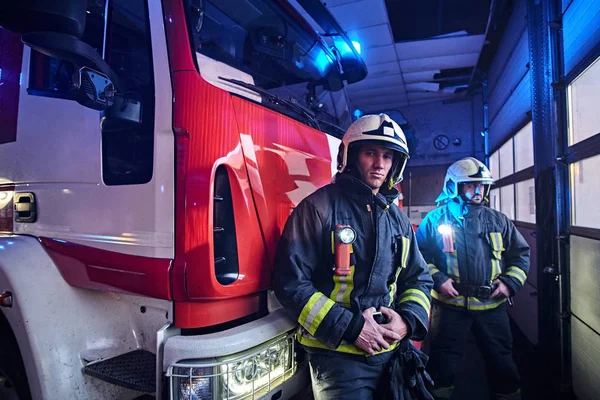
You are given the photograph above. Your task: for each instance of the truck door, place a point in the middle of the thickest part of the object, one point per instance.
(108, 188)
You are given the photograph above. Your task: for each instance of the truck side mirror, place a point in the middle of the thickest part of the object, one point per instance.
(93, 89)
(69, 48)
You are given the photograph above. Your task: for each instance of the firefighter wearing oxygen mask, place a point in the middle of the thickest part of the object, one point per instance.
(478, 260)
(349, 271)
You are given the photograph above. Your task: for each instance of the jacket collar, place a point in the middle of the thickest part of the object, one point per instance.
(460, 209)
(355, 186)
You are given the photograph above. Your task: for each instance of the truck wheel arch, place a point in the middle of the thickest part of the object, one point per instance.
(11, 362)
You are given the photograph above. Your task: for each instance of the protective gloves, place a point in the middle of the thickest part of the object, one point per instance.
(408, 378)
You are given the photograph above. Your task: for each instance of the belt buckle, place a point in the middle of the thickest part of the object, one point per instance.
(484, 292)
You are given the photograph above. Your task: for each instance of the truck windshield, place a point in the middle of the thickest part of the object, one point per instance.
(259, 38)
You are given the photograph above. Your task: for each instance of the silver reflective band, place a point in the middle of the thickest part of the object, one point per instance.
(347, 235)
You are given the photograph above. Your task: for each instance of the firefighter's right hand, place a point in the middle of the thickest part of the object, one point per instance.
(373, 336)
(447, 289)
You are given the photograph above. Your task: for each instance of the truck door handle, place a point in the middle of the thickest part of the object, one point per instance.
(25, 207)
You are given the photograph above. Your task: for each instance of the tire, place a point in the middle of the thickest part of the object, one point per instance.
(13, 378)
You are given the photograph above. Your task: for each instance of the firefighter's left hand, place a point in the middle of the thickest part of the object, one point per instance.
(501, 291)
(395, 323)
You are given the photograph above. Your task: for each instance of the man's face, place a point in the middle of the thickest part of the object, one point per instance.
(472, 192)
(374, 163)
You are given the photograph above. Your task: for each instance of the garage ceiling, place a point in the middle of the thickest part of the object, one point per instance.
(428, 53)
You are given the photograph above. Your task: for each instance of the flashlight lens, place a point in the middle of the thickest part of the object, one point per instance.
(347, 235)
(445, 229)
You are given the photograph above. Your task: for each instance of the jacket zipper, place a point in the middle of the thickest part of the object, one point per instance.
(370, 209)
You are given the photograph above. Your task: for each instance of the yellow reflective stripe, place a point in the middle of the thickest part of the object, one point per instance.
(307, 339)
(518, 273)
(471, 303)
(393, 287)
(497, 242)
(418, 297)
(455, 301)
(403, 263)
(332, 242)
(496, 270)
(441, 392)
(474, 303)
(314, 311)
(497, 248)
(452, 266)
(432, 269)
(405, 248)
(342, 288)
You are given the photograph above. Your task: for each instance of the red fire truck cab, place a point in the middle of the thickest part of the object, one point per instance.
(150, 154)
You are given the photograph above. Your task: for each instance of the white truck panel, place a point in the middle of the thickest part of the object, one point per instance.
(57, 156)
(60, 328)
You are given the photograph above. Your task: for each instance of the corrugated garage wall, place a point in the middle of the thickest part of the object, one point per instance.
(509, 81)
(509, 110)
(581, 38)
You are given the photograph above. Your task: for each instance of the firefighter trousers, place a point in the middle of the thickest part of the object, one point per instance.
(337, 376)
(448, 335)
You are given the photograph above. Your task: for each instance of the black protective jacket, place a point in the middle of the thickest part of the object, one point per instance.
(387, 267)
(487, 246)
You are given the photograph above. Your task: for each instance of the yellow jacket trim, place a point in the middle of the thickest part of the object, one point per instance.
(306, 339)
(314, 311)
(442, 392)
(470, 303)
(497, 248)
(433, 269)
(418, 297)
(452, 263)
(517, 273)
(405, 248)
(403, 263)
(342, 288)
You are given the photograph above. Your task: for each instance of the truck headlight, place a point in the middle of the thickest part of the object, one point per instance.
(192, 383)
(246, 375)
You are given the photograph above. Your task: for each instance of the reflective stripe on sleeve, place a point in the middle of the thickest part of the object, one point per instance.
(517, 273)
(418, 297)
(314, 312)
(432, 269)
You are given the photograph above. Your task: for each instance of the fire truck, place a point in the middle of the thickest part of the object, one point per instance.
(150, 154)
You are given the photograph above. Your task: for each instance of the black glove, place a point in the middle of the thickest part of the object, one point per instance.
(408, 378)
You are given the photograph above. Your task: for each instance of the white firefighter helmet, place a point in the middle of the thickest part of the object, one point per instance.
(468, 169)
(376, 129)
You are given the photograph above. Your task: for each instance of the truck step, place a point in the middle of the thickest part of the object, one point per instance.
(135, 370)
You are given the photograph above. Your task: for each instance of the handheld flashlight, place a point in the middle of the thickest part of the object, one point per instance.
(344, 237)
(447, 239)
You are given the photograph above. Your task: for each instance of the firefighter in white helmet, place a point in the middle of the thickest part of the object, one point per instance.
(347, 254)
(478, 260)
